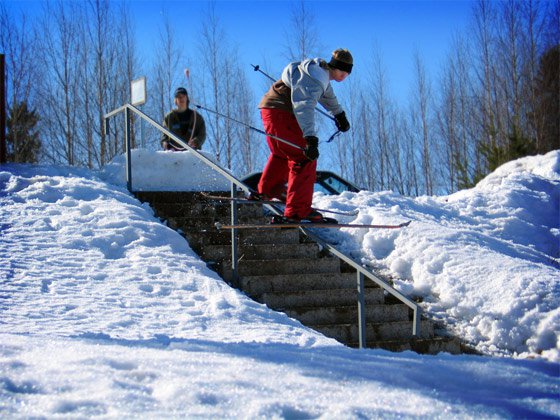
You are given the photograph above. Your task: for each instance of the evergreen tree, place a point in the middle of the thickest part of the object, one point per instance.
(548, 100)
(518, 146)
(23, 141)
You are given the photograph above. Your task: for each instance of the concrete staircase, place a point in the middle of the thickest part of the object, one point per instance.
(289, 273)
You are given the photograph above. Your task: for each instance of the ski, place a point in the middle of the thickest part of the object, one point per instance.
(220, 226)
(245, 200)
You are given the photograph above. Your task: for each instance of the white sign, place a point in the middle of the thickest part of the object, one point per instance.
(138, 91)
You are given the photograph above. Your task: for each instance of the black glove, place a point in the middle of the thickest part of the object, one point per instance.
(311, 151)
(194, 144)
(341, 122)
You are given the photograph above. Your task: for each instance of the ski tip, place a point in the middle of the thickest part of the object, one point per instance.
(405, 223)
(218, 225)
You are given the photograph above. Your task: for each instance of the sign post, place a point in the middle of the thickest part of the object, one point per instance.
(138, 91)
(137, 98)
(3, 148)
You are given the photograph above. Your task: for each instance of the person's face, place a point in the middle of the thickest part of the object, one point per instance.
(181, 101)
(338, 75)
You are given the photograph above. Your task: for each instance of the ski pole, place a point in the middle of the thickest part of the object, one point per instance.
(251, 127)
(257, 68)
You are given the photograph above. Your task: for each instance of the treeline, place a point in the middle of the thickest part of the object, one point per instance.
(74, 64)
(497, 97)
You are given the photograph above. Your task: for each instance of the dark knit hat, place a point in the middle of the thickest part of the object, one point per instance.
(181, 91)
(342, 60)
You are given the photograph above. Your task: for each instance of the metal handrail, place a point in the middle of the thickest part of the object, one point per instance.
(164, 130)
(360, 270)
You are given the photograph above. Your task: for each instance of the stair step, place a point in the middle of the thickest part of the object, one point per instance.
(195, 223)
(190, 209)
(348, 314)
(287, 266)
(212, 236)
(379, 331)
(155, 197)
(256, 285)
(432, 345)
(319, 298)
(262, 252)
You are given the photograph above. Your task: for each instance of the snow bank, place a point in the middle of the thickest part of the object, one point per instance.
(483, 260)
(166, 171)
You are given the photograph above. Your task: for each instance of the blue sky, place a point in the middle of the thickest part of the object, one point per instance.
(257, 29)
(394, 29)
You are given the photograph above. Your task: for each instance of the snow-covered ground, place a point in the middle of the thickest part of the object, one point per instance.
(106, 312)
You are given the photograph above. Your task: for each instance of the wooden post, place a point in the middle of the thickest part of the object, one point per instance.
(3, 149)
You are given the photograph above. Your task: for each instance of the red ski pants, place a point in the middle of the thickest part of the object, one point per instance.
(286, 164)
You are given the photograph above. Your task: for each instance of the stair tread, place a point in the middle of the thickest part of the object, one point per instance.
(352, 307)
(311, 277)
(312, 291)
(290, 259)
(269, 276)
(349, 324)
(417, 339)
(306, 245)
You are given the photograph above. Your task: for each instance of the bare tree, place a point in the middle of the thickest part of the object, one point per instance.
(227, 95)
(513, 35)
(484, 31)
(17, 41)
(250, 147)
(58, 52)
(302, 40)
(127, 64)
(84, 49)
(409, 137)
(348, 145)
(87, 102)
(167, 71)
(420, 114)
(539, 21)
(459, 130)
(212, 48)
(383, 119)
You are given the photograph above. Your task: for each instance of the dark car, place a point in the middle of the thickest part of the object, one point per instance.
(327, 182)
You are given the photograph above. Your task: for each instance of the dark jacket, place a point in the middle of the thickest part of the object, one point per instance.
(188, 125)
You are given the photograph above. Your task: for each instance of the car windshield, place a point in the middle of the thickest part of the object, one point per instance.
(327, 183)
(334, 184)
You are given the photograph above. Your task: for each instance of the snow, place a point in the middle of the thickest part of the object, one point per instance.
(484, 260)
(106, 312)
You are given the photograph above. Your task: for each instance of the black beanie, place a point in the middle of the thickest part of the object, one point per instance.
(181, 91)
(342, 60)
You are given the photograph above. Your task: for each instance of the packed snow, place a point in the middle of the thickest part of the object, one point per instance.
(107, 312)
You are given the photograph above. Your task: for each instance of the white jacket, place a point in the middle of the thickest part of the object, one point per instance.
(310, 84)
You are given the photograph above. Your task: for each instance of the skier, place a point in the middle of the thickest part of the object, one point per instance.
(185, 123)
(288, 112)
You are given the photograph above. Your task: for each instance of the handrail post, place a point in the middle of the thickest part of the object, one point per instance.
(366, 273)
(415, 322)
(361, 311)
(127, 145)
(234, 262)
